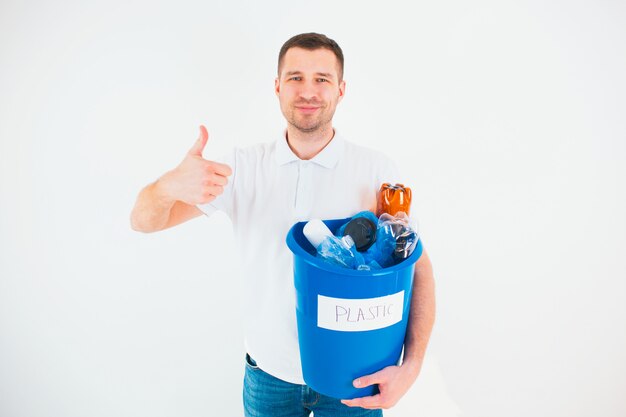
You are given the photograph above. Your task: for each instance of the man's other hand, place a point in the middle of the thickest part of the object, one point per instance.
(393, 382)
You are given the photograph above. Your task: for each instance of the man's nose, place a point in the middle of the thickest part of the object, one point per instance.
(309, 91)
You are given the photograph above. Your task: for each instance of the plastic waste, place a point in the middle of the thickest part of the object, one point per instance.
(393, 199)
(339, 251)
(365, 242)
(362, 229)
(397, 238)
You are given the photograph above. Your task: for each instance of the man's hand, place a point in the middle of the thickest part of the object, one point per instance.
(195, 180)
(393, 382)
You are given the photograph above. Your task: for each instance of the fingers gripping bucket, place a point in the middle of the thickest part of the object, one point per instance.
(350, 323)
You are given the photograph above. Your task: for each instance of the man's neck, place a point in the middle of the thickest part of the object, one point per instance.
(308, 144)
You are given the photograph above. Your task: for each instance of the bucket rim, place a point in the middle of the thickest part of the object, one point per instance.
(299, 251)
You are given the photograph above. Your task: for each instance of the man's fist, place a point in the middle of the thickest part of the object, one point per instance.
(196, 180)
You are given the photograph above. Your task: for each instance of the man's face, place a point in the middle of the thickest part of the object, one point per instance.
(308, 88)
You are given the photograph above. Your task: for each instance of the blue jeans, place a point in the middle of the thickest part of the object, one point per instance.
(267, 396)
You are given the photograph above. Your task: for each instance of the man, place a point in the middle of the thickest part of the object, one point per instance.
(310, 172)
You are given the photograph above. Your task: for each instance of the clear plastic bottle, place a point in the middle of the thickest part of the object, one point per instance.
(397, 238)
(339, 251)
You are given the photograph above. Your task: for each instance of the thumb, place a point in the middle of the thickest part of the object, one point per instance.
(366, 381)
(198, 147)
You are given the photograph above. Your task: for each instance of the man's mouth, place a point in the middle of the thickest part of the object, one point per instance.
(307, 109)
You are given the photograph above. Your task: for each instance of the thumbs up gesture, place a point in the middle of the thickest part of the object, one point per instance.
(196, 180)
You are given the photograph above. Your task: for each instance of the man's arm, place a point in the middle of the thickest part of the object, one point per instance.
(394, 381)
(154, 211)
(172, 199)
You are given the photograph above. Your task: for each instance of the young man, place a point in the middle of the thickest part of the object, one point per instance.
(310, 172)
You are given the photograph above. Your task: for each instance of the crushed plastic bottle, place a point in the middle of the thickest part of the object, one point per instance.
(338, 251)
(396, 240)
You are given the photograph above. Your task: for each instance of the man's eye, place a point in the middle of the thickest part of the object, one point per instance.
(322, 80)
(296, 78)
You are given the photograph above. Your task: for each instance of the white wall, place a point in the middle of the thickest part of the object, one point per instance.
(507, 116)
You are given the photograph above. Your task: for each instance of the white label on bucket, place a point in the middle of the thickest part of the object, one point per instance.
(357, 315)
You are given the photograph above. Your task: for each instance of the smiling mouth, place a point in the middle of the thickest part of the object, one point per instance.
(307, 109)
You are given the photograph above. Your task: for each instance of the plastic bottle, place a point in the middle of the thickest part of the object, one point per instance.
(339, 251)
(393, 199)
(397, 238)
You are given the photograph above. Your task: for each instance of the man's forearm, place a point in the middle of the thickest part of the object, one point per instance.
(422, 314)
(152, 209)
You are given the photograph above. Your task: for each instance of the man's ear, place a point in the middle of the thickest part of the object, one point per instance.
(342, 89)
(277, 86)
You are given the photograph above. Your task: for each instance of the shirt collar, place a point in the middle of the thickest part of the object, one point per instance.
(328, 157)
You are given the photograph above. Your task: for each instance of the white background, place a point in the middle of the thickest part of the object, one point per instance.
(508, 118)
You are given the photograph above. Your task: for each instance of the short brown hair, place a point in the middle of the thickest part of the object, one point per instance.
(312, 41)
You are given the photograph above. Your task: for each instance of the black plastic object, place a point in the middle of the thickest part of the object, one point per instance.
(363, 231)
(405, 242)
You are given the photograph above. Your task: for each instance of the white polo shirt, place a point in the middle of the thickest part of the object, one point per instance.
(269, 191)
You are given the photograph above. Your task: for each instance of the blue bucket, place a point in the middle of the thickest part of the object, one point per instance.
(350, 323)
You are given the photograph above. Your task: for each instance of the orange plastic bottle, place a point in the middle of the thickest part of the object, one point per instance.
(393, 198)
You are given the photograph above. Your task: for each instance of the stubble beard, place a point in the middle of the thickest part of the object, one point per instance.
(309, 125)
